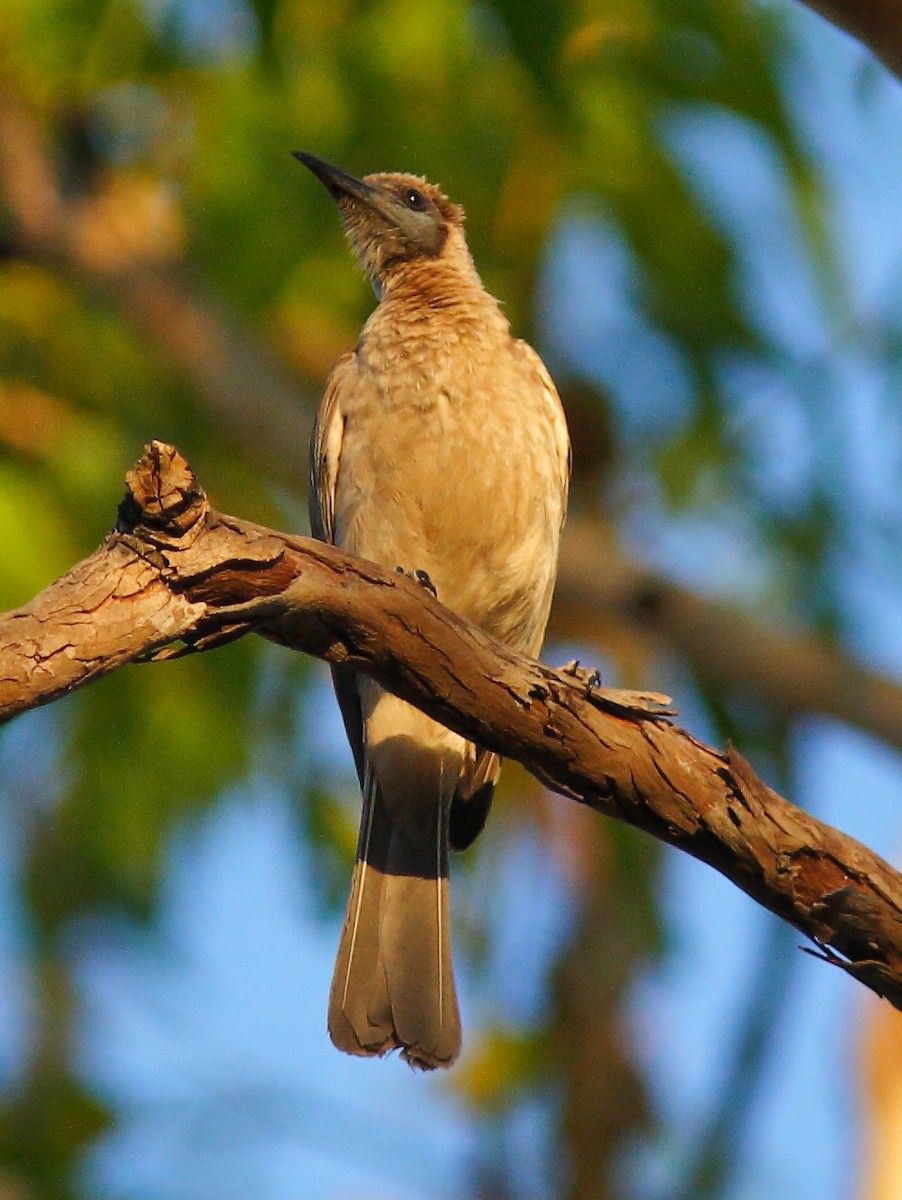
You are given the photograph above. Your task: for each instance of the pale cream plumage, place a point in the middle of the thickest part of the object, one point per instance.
(440, 446)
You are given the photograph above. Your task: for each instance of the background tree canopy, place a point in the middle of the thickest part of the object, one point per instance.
(690, 208)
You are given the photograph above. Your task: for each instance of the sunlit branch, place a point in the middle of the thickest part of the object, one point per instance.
(245, 390)
(176, 571)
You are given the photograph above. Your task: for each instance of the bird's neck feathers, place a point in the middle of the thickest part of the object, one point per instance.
(428, 288)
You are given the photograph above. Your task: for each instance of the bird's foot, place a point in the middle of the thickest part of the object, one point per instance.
(420, 577)
(587, 676)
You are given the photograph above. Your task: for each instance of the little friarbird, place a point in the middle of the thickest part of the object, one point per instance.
(441, 447)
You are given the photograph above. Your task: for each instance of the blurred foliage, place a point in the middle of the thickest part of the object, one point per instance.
(166, 126)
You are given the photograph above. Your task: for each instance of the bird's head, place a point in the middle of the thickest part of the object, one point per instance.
(391, 219)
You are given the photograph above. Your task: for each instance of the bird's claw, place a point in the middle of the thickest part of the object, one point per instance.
(420, 577)
(588, 676)
(425, 582)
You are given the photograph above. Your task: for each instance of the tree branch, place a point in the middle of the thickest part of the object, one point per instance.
(155, 293)
(175, 569)
(796, 674)
(874, 22)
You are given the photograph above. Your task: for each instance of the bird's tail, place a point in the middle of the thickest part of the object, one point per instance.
(393, 986)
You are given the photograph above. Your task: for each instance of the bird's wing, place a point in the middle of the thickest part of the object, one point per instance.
(325, 449)
(393, 985)
(325, 459)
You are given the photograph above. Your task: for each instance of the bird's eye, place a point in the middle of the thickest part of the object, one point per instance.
(415, 200)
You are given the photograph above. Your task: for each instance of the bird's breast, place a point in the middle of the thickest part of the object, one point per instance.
(452, 463)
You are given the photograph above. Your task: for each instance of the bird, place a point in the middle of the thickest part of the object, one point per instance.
(440, 448)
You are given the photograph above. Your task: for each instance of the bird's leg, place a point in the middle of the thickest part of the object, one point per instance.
(420, 577)
(589, 677)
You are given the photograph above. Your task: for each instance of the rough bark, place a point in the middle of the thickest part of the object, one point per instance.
(796, 672)
(176, 570)
(793, 673)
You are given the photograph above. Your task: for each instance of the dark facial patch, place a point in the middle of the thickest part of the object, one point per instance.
(400, 184)
(390, 218)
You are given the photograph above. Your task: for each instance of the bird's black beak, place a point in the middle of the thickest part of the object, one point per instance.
(339, 184)
(369, 208)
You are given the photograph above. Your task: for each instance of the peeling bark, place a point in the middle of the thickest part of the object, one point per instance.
(792, 673)
(176, 571)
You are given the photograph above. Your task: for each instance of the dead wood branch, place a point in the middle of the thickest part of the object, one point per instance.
(176, 570)
(794, 673)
